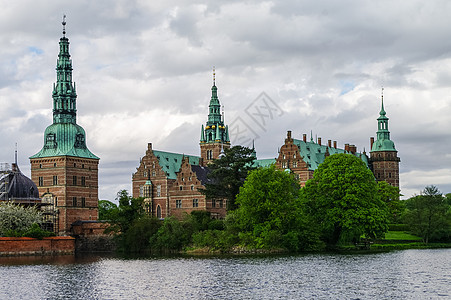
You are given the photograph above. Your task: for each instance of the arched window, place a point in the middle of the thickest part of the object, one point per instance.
(158, 212)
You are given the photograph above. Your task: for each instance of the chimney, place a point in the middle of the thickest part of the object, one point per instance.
(335, 144)
(304, 137)
(149, 146)
(319, 141)
(329, 143)
(289, 134)
(371, 142)
(347, 147)
(352, 149)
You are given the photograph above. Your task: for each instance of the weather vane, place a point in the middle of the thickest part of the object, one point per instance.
(214, 76)
(64, 25)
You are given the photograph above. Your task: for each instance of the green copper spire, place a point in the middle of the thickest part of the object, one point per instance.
(64, 136)
(383, 142)
(215, 130)
(64, 95)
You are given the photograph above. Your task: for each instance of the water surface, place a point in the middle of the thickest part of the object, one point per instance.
(409, 274)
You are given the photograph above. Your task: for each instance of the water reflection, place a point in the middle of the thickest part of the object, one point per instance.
(410, 274)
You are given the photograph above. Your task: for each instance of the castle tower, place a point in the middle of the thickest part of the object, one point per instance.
(65, 171)
(215, 136)
(383, 155)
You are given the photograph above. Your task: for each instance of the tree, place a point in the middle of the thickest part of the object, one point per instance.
(390, 195)
(342, 197)
(16, 219)
(227, 174)
(428, 215)
(129, 210)
(106, 208)
(269, 213)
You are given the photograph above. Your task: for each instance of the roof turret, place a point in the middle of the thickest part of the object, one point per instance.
(64, 136)
(383, 142)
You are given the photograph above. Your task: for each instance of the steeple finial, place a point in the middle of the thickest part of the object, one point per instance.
(64, 25)
(214, 76)
(15, 155)
(382, 106)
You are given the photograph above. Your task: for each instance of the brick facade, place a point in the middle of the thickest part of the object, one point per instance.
(385, 166)
(72, 184)
(16, 246)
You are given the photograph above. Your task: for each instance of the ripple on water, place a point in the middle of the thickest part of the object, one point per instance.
(409, 274)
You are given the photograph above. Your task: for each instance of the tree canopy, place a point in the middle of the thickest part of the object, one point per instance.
(428, 215)
(343, 199)
(227, 174)
(269, 213)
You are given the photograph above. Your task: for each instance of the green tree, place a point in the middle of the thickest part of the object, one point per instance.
(106, 208)
(227, 174)
(129, 210)
(173, 235)
(390, 195)
(137, 238)
(342, 197)
(269, 213)
(428, 215)
(16, 219)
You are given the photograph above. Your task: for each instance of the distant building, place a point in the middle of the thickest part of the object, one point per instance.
(65, 171)
(170, 182)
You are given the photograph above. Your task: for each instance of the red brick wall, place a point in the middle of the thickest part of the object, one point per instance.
(290, 158)
(385, 166)
(15, 246)
(65, 168)
(216, 147)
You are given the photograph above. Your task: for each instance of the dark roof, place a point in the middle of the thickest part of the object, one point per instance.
(16, 186)
(201, 173)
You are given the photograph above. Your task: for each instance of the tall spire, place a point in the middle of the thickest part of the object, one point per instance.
(64, 95)
(383, 142)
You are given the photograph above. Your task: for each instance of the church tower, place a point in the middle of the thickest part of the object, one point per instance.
(383, 156)
(65, 171)
(214, 137)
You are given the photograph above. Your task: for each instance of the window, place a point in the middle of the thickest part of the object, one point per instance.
(192, 187)
(83, 202)
(389, 175)
(141, 191)
(40, 166)
(158, 190)
(74, 201)
(145, 174)
(82, 166)
(195, 202)
(153, 173)
(378, 175)
(83, 181)
(75, 165)
(55, 180)
(220, 203)
(190, 178)
(283, 156)
(41, 181)
(213, 203)
(294, 155)
(181, 187)
(74, 180)
(295, 164)
(284, 165)
(178, 203)
(54, 165)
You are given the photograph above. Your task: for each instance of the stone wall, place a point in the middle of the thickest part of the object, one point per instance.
(17, 246)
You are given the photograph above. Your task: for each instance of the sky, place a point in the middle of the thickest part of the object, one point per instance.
(143, 71)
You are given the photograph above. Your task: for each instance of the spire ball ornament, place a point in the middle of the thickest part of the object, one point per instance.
(64, 25)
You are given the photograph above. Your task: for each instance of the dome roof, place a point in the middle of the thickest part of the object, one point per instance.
(15, 186)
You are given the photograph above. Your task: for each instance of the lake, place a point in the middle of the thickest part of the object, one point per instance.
(408, 274)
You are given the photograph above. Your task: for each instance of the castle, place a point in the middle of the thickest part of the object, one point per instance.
(170, 182)
(66, 171)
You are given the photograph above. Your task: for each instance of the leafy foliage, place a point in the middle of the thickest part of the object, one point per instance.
(106, 208)
(123, 216)
(137, 238)
(342, 197)
(228, 174)
(173, 235)
(428, 215)
(269, 213)
(390, 195)
(16, 218)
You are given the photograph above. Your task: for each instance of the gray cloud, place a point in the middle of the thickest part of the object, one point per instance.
(143, 74)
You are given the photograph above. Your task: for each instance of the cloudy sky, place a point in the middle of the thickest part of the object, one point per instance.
(143, 71)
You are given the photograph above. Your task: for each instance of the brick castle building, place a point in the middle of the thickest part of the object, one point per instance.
(170, 182)
(65, 171)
